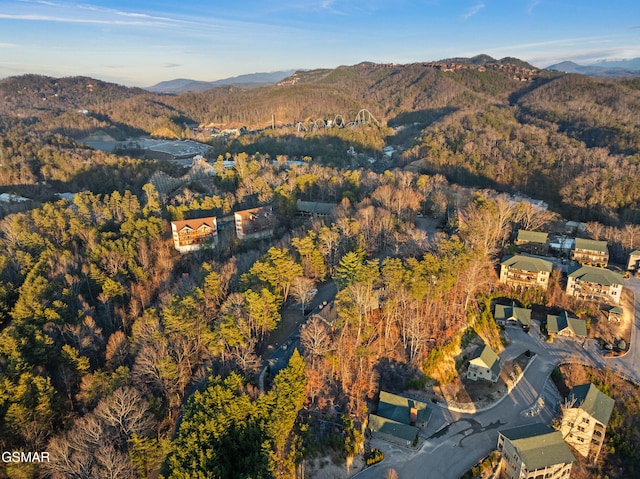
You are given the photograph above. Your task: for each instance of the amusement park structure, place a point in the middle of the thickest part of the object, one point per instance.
(363, 117)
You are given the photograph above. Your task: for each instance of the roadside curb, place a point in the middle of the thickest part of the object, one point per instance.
(497, 401)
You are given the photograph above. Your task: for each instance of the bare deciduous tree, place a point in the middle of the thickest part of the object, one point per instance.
(303, 290)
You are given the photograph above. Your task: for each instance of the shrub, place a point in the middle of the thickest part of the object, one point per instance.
(374, 457)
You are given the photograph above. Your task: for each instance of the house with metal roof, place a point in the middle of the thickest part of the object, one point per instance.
(565, 325)
(590, 252)
(398, 419)
(534, 242)
(314, 209)
(534, 451)
(484, 364)
(522, 271)
(506, 315)
(595, 284)
(585, 418)
(193, 234)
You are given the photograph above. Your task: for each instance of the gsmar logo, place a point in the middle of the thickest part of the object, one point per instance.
(21, 456)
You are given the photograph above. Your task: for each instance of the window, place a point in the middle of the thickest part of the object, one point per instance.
(585, 420)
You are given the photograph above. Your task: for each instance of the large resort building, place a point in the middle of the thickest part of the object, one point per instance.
(534, 451)
(521, 271)
(191, 235)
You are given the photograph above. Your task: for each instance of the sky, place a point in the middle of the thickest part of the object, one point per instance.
(143, 42)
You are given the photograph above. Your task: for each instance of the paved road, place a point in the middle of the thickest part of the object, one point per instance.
(455, 442)
(277, 359)
(629, 365)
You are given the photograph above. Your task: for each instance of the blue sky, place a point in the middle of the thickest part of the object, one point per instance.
(142, 42)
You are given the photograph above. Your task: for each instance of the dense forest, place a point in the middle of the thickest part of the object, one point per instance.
(125, 359)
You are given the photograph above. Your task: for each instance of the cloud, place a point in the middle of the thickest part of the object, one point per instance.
(82, 13)
(8, 45)
(95, 21)
(471, 11)
(172, 65)
(533, 4)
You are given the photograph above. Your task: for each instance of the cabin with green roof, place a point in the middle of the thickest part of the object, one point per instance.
(522, 271)
(484, 364)
(585, 417)
(533, 451)
(565, 325)
(398, 419)
(512, 315)
(590, 252)
(595, 284)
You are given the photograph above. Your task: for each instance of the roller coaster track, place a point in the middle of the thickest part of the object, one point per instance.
(363, 117)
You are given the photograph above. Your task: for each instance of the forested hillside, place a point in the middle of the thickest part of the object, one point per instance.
(124, 358)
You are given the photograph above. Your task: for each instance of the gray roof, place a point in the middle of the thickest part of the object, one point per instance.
(591, 245)
(539, 446)
(557, 324)
(315, 207)
(532, 236)
(486, 357)
(593, 401)
(527, 263)
(503, 313)
(601, 276)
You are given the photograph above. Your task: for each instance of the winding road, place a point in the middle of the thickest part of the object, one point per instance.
(453, 442)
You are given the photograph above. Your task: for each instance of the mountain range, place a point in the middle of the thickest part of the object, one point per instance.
(502, 124)
(604, 68)
(251, 80)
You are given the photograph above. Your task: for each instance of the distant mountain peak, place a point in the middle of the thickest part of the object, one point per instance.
(183, 85)
(603, 68)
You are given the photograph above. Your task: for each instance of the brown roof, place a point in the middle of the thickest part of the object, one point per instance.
(257, 219)
(194, 223)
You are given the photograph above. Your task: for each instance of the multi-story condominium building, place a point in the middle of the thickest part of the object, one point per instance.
(191, 235)
(522, 271)
(595, 284)
(591, 252)
(534, 451)
(584, 420)
(256, 223)
(532, 242)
